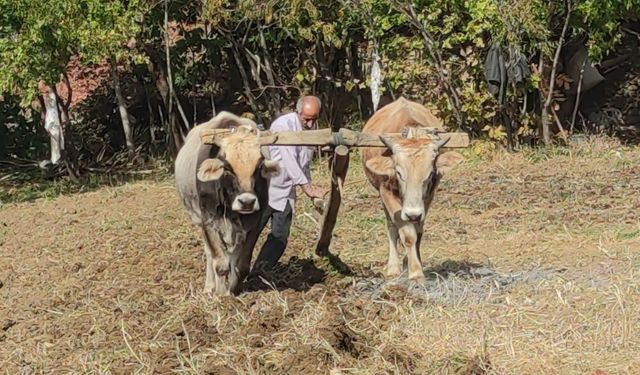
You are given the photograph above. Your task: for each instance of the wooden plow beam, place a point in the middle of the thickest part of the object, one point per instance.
(339, 163)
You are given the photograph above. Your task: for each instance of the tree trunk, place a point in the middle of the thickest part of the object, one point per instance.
(152, 117)
(269, 71)
(245, 80)
(160, 80)
(168, 95)
(546, 134)
(124, 115)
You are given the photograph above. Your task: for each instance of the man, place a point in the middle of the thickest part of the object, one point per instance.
(295, 171)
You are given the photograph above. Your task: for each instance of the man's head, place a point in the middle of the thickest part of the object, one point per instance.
(308, 110)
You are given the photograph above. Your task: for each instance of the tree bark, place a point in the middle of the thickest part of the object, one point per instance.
(122, 108)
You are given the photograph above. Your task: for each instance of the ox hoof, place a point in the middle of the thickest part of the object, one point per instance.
(417, 276)
(211, 292)
(392, 271)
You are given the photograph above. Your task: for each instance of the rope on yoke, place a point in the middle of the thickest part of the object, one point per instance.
(338, 140)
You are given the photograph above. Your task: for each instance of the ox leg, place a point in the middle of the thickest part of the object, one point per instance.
(409, 238)
(209, 282)
(240, 264)
(393, 268)
(217, 269)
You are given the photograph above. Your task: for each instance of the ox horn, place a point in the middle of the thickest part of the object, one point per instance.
(389, 142)
(217, 141)
(440, 143)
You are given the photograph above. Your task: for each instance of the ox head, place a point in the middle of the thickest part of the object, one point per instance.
(238, 163)
(415, 165)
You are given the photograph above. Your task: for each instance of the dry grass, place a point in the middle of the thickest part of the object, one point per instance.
(533, 266)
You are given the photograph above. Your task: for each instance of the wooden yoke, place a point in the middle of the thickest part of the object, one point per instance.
(345, 137)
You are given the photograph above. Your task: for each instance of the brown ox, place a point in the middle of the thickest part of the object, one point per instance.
(223, 187)
(406, 174)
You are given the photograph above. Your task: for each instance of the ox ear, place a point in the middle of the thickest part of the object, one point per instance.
(270, 168)
(210, 170)
(447, 161)
(381, 166)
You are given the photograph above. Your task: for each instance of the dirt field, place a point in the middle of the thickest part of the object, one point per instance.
(532, 260)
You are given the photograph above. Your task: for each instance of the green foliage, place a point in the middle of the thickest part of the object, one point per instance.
(600, 19)
(20, 135)
(292, 47)
(37, 38)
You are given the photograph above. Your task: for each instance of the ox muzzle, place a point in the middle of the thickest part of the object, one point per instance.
(245, 203)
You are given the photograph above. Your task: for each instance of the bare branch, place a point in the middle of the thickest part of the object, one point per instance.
(578, 96)
(545, 110)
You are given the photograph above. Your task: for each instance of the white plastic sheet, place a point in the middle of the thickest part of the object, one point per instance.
(53, 127)
(375, 80)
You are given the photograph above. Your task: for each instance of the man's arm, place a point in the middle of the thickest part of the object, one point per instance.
(306, 155)
(291, 165)
(289, 160)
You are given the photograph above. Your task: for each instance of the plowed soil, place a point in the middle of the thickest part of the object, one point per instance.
(532, 264)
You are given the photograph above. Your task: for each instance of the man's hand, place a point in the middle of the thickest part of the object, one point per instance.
(313, 191)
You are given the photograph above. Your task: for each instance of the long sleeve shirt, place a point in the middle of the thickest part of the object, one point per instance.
(294, 163)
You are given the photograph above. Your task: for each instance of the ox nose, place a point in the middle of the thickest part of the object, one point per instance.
(412, 215)
(247, 201)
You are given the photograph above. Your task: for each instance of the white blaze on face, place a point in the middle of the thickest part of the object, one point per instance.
(413, 167)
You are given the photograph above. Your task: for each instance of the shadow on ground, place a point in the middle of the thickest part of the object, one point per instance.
(297, 274)
(301, 274)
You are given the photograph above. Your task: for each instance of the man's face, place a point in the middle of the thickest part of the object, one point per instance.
(308, 116)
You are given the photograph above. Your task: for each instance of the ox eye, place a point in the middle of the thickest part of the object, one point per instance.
(399, 174)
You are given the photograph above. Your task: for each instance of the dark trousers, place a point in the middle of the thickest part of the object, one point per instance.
(276, 242)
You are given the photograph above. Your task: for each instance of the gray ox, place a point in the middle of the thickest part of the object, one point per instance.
(406, 174)
(224, 189)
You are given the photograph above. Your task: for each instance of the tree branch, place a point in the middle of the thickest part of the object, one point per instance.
(69, 91)
(545, 110)
(443, 76)
(245, 79)
(169, 75)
